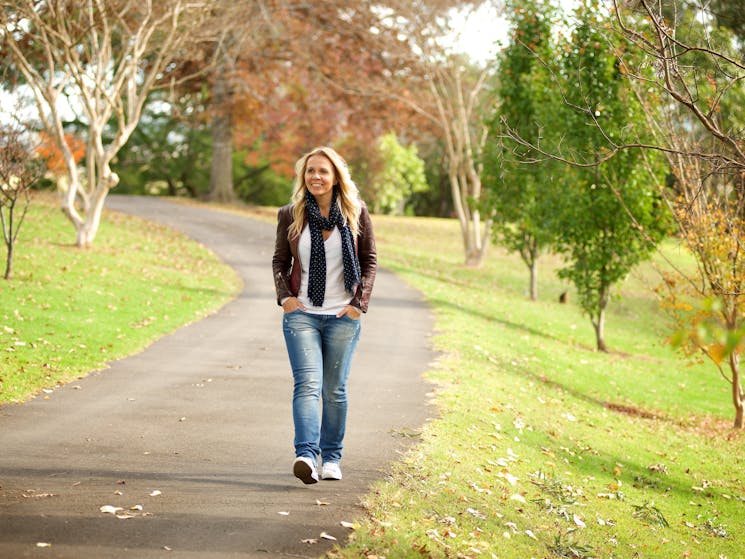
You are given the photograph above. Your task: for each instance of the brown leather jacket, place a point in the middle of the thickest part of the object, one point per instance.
(286, 266)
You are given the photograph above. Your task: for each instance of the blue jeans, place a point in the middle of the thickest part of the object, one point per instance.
(320, 348)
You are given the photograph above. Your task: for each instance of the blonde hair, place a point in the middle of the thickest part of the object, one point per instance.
(348, 199)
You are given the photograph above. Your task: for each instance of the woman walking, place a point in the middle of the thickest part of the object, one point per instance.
(324, 268)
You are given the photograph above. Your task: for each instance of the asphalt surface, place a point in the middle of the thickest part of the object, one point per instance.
(195, 432)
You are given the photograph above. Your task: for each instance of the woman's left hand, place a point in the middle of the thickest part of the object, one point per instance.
(352, 312)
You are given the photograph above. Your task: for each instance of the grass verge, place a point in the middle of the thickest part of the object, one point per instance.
(67, 311)
(544, 448)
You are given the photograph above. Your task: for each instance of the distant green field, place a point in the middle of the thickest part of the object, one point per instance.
(543, 446)
(67, 311)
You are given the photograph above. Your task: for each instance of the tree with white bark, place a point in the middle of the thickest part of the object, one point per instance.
(451, 92)
(101, 59)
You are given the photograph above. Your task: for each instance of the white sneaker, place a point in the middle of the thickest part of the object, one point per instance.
(331, 470)
(305, 470)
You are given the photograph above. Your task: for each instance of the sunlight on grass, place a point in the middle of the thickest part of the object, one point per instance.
(544, 447)
(67, 311)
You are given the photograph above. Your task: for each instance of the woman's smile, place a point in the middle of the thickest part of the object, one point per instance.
(319, 176)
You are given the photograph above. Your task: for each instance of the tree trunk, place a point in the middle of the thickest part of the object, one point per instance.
(475, 240)
(534, 280)
(599, 326)
(603, 299)
(9, 260)
(737, 394)
(221, 174)
(88, 228)
(8, 236)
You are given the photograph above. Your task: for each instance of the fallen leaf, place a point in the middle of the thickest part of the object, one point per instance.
(578, 521)
(326, 536)
(530, 534)
(519, 498)
(124, 516)
(110, 509)
(135, 507)
(476, 513)
(284, 513)
(38, 495)
(43, 544)
(166, 548)
(512, 480)
(321, 503)
(346, 524)
(155, 493)
(309, 541)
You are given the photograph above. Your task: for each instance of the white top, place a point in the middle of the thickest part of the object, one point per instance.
(336, 297)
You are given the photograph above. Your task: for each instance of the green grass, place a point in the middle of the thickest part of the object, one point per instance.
(544, 447)
(67, 311)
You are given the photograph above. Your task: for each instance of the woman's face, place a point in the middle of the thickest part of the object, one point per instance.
(319, 176)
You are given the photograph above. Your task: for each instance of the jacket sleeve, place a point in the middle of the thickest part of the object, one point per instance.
(368, 257)
(282, 259)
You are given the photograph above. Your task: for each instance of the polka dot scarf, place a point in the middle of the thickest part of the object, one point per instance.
(317, 223)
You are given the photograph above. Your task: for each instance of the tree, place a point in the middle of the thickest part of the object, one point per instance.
(399, 176)
(244, 48)
(399, 68)
(169, 151)
(694, 105)
(518, 193)
(273, 65)
(606, 205)
(19, 171)
(104, 58)
(689, 81)
(449, 91)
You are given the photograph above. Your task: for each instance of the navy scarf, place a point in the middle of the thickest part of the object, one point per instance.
(318, 223)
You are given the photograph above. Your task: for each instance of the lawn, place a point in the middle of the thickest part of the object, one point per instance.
(67, 311)
(544, 447)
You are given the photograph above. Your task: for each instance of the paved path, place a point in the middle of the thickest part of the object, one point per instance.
(204, 417)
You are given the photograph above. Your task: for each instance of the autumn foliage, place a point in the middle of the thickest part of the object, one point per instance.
(50, 152)
(709, 310)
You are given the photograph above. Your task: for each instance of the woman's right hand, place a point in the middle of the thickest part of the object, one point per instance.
(292, 304)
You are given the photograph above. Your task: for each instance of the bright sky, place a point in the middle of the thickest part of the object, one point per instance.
(483, 32)
(480, 32)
